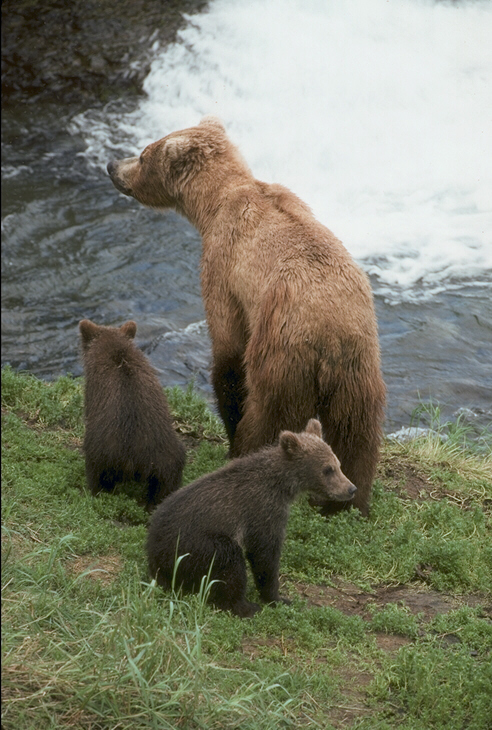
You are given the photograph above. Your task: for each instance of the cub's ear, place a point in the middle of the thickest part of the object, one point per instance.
(129, 329)
(212, 121)
(290, 443)
(88, 331)
(314, 427)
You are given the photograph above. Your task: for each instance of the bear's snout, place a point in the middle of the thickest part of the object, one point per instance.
(114, 174)
(348, 492)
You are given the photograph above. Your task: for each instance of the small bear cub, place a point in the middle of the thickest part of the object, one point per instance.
(241, 508)
(128, 427)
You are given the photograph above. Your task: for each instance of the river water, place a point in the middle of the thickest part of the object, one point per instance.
(376, 114)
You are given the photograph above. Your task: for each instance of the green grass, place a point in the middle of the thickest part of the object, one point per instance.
(89, 642)
(460, 433)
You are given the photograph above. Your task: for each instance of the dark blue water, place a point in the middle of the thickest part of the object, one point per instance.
(74, 248)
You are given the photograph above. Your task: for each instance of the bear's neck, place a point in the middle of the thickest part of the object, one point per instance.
(211, 203)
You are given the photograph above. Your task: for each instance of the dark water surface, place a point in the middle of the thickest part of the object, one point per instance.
(74, 248)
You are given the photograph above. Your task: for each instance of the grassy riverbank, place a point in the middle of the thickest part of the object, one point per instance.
(390, 623)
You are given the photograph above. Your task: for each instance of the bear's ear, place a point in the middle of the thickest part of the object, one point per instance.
(175, 148)
(291, 444)
(88, 331)
(314, 427)
(212, 121)
(129, 329)
(187, 156)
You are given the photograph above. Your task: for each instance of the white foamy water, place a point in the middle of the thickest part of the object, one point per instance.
(376, 112)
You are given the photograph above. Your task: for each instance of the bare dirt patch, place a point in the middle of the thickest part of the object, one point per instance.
(104, 569)
(409, 480)
(351, 600)
(72, 442)
(253, 647)
(352, 680)
(352, 704)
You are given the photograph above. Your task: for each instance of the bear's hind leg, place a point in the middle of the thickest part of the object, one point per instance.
(100, 479)
(354, 433)
(160, 484)
(282, 391)
(270, 408)
(157, 489)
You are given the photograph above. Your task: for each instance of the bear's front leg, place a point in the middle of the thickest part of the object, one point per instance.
(228, 331)
(265, 566)
(229, 388)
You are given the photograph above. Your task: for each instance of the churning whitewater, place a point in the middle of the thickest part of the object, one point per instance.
(376, 113)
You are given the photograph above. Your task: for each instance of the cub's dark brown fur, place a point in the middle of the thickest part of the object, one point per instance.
(242, 507)
(128, 428)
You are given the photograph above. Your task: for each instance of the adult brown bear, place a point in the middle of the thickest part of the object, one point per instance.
(291, 316)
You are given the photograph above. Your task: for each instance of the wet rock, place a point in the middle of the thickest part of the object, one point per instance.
(84, 51)
(184, 356)
(466, 414)
(409, 433)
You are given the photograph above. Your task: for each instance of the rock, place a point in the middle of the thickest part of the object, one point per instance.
(85, 51)
(465, 414)
(409, 433)
(184, 356)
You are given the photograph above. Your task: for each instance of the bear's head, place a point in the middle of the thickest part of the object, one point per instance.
(317, 466)
(89, 331)
(179, 168)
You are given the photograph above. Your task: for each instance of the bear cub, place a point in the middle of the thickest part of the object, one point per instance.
(128, 427)
(240, 509)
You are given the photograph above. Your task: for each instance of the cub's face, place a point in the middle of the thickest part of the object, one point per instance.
(317, 464)
(329, 482)
(160, 175)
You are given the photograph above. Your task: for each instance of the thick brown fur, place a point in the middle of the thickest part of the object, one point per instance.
(291, 316)
(241, 508)
(128, 427)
